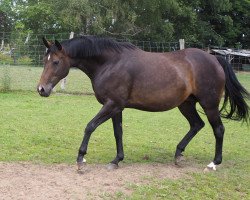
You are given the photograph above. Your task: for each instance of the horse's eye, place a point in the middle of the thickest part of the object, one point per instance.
(56, 62)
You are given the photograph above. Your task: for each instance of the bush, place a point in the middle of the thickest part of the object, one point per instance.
(6, 59)
(24, 60)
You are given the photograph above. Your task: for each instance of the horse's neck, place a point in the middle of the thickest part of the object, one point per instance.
(91, 66)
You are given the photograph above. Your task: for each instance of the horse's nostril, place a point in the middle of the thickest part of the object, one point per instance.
(40, 89)
(44, 91)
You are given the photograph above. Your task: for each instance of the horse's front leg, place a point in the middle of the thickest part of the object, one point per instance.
(108, 110)
(117, 125)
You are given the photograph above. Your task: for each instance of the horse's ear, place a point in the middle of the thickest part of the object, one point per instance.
(58, 45)
(46, 43)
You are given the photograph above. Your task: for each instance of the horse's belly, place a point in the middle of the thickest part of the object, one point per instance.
(158, 100)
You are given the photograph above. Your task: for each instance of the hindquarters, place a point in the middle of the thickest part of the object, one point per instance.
(215, 76)
(209, 78)
(209, 84)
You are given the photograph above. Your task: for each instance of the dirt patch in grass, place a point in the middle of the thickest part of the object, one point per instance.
(32, 181)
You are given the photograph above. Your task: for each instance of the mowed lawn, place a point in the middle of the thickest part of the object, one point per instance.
(50, 130)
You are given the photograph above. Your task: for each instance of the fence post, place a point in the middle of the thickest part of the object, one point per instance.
(64, 80)
(27, 39)
(2, 45)
(182, 44)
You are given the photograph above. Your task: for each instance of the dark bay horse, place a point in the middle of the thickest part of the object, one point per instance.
(124, 76)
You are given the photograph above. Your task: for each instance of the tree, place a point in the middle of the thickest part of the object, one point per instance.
(240, 33)
(6, 15)
(39, 16)
(214, 22)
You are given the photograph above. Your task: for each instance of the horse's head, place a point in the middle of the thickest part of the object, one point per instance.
(56, 67)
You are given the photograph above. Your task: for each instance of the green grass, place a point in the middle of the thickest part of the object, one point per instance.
(50, 130)
(26, 78)
(244, 79)
(222, 185)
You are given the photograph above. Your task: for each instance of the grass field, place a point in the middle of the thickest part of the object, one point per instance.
(26, 78)
(49, 130)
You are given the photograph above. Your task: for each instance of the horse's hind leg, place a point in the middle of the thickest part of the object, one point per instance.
(214, 119)
(189, 111)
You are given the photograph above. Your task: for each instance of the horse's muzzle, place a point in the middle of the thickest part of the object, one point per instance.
(44, 91)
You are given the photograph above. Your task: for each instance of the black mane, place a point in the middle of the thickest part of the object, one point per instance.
(89, 46)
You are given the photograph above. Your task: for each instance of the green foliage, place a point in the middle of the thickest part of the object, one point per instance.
(8, 59)
(7, 15)
(215, 22)
(24, 60)
(240, 33)
(5, 58)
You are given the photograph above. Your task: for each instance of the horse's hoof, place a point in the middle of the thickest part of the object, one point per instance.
(81, 164)
(179, 160)
(211, 167)
(112, 166)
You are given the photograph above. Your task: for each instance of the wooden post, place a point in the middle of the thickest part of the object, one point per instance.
(182, 44)
(2, 45)
(71, 35)
(64, 80)
(27, 39)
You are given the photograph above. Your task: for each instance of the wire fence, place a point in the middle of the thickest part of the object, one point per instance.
(25, 49)
(28, 49)
(21, 58)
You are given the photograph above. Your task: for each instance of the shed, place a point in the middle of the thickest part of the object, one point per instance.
(239, 59)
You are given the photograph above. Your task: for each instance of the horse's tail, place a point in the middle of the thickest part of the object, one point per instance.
(235, 94)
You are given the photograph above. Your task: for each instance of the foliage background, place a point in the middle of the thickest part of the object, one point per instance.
(214, 22)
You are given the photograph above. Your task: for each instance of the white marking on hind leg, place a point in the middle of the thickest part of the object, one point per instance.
(210, 167)
(48, 56)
